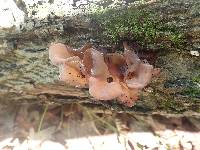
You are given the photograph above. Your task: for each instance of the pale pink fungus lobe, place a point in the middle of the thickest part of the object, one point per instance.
(142, 76)
(101, 84)
(108, 76)
(72, 76)
(58, 53)
(70, 67)
(128, 96)
(103, 90)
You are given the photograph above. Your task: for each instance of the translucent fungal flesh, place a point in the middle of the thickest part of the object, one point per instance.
(108, 76)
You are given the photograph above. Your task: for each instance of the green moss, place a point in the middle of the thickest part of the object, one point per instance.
(196, 79)
(138, 25)
(192, 92)
(170, 105)
(195, 90)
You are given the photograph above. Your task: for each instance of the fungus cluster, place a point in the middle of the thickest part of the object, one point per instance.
(108, 76)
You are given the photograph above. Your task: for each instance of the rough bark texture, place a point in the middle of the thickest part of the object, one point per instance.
(26, 74)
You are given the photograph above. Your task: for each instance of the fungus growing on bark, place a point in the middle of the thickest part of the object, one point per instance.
(138, 73)
(128, 96)
(102, 85)
(72, 76)
(108, 76)
(58, 53)
(141, 77)
(104, 90)
(70, 67)
(94, 63)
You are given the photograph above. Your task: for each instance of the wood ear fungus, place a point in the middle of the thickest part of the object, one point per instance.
(108, 76)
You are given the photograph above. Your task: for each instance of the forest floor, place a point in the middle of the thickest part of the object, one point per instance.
(75, 126)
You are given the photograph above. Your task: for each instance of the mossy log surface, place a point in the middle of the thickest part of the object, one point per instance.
(26, 75)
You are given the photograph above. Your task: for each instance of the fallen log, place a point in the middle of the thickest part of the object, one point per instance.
(26, 75)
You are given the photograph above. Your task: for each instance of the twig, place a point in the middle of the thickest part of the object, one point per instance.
(42, 118)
